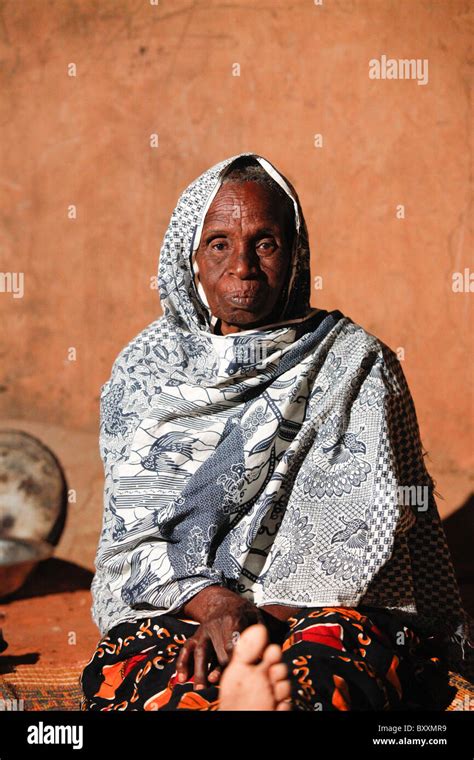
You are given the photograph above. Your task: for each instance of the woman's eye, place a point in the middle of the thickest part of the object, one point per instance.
(218, 246)
(266, 245)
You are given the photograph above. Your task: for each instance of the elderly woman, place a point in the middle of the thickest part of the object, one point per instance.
(264, 477)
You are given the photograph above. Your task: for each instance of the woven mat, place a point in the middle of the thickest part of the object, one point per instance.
(464, 697)
(42, 687)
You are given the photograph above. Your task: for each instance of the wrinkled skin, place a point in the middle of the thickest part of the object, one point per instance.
(244, 256)
(244, 261)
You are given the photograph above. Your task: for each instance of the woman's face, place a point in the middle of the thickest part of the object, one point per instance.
(244, 255)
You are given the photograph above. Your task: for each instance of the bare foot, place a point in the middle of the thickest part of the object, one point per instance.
(255, 678)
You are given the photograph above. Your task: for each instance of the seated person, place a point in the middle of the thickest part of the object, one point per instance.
(270, 537)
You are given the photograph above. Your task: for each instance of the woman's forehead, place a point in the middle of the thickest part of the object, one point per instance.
(250, 200)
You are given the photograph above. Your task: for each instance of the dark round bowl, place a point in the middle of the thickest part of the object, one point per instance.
(18, 557)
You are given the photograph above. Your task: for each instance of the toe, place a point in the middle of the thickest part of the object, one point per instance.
(251, 645)
(281, 690)
(278, 672)
(271, 655)
(283, 706)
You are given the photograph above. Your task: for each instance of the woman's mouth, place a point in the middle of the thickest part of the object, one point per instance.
(245, 297)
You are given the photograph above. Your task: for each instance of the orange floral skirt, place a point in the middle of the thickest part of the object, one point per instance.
(338, 658)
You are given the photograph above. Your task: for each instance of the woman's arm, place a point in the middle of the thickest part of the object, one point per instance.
(280, 611)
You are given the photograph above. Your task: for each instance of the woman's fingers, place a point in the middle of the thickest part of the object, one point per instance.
(184, 661)
(209, 651)
(201, 661)
(215, 675)
(223, 641)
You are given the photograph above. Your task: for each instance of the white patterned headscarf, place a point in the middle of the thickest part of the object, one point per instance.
(283, 461)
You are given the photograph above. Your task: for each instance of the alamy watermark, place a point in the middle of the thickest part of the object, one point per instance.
(12, 282)
(43, 733)
(251, 354)
(12, 705)
(414, 496)
(399, 68)
(463, 282)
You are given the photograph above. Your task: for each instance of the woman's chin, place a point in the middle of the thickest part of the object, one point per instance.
(244, 320)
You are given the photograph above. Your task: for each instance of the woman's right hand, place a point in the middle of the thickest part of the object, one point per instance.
(222, 615)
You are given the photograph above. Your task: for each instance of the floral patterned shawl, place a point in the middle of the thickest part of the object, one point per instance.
(287, 458)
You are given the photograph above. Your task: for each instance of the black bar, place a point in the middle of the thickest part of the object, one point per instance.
(290, 734)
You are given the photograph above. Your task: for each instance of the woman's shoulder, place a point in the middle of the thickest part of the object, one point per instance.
(353, 336)
(133, 352)
(141, 343)
(365, 348)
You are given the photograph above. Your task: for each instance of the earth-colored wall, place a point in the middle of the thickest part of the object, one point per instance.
(168, 68)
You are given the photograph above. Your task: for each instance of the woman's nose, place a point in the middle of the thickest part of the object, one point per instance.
(243, 260)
